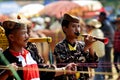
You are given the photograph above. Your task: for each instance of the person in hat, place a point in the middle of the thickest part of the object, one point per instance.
(26, 60)
(116, 43)
(71, 50)
(108, 31)
(92, 28)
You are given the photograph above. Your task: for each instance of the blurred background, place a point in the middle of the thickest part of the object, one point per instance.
(12, 7)
(82, 8)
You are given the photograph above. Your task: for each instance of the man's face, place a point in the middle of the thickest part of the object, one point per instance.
(72, 28)
(20, 37)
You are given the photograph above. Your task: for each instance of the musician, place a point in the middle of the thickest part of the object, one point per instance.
(26, 60)
(71, 50)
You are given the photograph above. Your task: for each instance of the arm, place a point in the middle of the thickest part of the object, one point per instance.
(89, 40)
(69, 69)
(56, 71)
(92, 57)
(6, 73)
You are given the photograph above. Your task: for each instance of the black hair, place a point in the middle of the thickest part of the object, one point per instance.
(103, 14)
(65, 23)
(11, 27)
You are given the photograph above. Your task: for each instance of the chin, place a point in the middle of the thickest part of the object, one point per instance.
(25, 45)
(76, 37)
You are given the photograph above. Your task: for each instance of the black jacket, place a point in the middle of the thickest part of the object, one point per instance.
(44, 75)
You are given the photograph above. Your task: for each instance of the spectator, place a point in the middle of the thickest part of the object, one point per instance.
(116, 47)
(92, 27)
(109, 33)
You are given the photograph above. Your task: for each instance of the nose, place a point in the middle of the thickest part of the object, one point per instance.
(77, 29)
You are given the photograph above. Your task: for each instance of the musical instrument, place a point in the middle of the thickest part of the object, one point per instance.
(104, 40)
(44, 39)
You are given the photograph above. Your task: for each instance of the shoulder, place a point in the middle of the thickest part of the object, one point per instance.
(6, 52)
(61, 43)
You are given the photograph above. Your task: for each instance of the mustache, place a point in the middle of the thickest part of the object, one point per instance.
(26, 39)
(77, 33)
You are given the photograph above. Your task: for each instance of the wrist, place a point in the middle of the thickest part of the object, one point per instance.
(85, 49)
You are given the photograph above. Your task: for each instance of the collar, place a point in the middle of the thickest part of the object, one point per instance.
(14, 53)
(71, 47)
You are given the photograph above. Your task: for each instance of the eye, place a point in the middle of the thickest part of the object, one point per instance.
(78, 26)
(24, 32)
(73, 26)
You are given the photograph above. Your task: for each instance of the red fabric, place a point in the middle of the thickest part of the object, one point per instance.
(117, 41)
(30, 69)
(30, 72)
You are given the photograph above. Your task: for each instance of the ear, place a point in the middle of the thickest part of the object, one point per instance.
(64, 29)
(11, 37)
